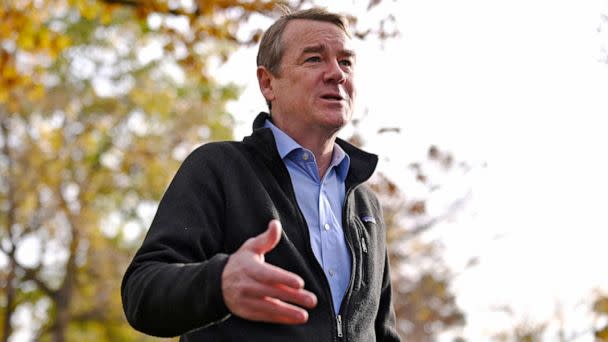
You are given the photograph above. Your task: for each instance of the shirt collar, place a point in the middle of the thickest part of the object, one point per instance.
(285, 145)
(341, 161)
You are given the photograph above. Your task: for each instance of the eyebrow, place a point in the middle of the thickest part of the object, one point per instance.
(322, 47)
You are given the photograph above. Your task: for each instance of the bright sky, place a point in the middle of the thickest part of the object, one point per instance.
(514, 83)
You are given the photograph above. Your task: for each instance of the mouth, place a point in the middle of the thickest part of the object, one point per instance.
(332, 97)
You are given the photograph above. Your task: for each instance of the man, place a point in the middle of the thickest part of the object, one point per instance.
(273, 238)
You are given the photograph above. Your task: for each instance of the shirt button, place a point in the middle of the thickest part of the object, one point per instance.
(332, 272)
(326, 226)
(305, 156)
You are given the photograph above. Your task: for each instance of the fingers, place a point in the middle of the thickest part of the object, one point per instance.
(270, 274)
(266, 241)
(287, 294)
(255, 290)
(269, 309)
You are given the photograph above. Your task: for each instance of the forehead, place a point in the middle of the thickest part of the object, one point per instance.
(301, 33)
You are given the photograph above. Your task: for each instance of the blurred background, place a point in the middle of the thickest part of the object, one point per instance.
(487, 117)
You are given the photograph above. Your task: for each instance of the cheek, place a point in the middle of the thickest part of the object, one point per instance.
(352, 90)
(350, 84)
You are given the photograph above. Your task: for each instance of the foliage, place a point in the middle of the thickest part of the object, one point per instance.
(600, 308)
(99, 102)
(424, 303)
(523, 331)
(557, 327)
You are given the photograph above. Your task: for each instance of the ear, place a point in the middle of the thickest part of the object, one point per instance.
(265, 82)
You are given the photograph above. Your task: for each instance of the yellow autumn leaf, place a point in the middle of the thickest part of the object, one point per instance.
(26, 39)
(601, 305)
(5, 28)
(138, 96)
(22, 81)
(89, 10)
(9, 72)
(62, 42)
(602, 334)
(28, 204)
(89, 143)
(36, 93)
(13, 105)
(3, 94)
(106, 16)
(44, 39)
(53, 139)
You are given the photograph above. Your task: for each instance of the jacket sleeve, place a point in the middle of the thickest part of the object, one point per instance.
(385, 319)
(173, 284)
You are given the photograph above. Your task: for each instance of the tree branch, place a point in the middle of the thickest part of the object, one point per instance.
(95, 314)
(10, 221)
(33, 275)
(154, 6)
(453, 208)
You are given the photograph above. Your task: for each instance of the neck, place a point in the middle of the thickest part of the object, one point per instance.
(322, 149)
(319, 141)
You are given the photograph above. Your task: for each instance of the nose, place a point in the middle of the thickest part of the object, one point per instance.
(334, 73)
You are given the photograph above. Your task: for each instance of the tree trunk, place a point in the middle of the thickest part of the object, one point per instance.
(63, 298)
(62, 318)
(7, 328)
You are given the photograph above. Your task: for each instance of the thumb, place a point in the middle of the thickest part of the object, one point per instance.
(266, 241)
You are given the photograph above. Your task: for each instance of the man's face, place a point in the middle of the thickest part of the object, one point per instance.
(314, 87)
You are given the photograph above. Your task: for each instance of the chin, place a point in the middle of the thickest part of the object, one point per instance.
(338, 120)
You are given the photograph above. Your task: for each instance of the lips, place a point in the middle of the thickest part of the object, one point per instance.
(332, 97)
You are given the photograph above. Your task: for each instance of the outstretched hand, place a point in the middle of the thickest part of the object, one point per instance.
(258, 291)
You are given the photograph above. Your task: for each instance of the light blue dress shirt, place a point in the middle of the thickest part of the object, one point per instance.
(321, 202)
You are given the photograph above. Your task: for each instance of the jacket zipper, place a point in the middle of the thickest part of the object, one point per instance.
(319, 268)
(346, 299)
(364, 261)
(363, 244)
(348, 239)
(339, 324)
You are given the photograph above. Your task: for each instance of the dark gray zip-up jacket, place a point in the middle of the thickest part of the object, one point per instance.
(225, 193)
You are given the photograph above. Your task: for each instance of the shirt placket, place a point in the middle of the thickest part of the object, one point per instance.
(326, 229)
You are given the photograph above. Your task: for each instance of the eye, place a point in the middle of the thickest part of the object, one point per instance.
(313, 59)
(346, 62)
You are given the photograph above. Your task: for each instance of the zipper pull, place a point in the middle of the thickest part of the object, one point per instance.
(339, 321)
(363, 245)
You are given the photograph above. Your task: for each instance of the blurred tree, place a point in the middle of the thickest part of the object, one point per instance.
(600, 308)
(559, 326)
(99, 103)
(424, 304)
(523, 330)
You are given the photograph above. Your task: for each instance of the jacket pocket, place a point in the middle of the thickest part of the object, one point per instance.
(362, 252)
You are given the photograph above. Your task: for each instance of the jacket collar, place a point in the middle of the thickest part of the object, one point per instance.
(362, 164)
